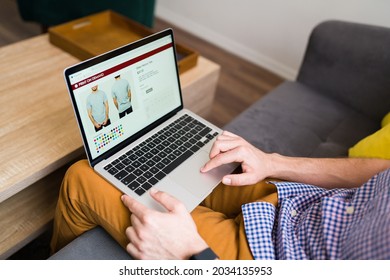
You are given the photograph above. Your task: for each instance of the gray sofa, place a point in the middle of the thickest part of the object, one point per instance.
(340, 96)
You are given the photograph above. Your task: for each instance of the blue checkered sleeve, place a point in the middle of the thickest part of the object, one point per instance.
(259, 219)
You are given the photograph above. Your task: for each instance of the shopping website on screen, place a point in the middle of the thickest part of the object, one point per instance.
(119, 97)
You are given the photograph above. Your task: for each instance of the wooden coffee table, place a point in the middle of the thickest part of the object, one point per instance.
(39, 137)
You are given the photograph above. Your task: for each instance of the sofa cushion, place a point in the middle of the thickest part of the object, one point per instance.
(295, 120)
(375, 145)
(386, 120)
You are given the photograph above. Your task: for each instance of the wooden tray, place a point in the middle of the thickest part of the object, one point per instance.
(96, 34)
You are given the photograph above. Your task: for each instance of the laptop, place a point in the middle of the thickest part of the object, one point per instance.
(137, 135)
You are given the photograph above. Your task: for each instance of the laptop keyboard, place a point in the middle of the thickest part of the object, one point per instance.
(154, 158)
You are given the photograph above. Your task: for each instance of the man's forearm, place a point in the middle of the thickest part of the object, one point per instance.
(328, 173)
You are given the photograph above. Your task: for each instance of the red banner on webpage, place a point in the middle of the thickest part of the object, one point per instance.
(118, 67)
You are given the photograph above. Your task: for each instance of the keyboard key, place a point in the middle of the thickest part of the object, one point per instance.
(133, 157)
(141, 180)
(128, 179)
(139, 153)
(133, 185)
(187, 145)
(146, 186)
(138, 172)
(140, 191)
(120, 175)
(160, 165)
(153, 181)
(129, 168)
(145, 149)
(156, 159)
(160, 147)
(160, 175)
(173, 146)
(205, 131)
(144, 167)
(148, 155)
(162, 154)
(177, 162)
(195, 148)
(153, 170)
(166, 143)
(200, 144)
(148, 175)
(119, 166)
(113, 170)
(182, 149)
(142, 159)
(151, 145)
(150, 163)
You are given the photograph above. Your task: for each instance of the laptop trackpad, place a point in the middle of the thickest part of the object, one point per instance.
(200, 184)
(168, 185)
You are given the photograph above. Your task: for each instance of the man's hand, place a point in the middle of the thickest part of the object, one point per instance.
(231, 148)
(157, 235)
(257, 165)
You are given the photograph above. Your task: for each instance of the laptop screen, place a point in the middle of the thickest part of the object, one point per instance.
(121, 93)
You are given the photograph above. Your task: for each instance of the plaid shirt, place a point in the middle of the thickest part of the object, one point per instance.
(314, 223)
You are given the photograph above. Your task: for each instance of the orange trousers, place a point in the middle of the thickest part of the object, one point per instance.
(87, 200)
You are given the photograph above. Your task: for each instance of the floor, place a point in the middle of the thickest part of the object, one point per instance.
(241, 83)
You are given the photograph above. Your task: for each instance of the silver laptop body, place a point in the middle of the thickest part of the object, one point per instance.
(129, 109)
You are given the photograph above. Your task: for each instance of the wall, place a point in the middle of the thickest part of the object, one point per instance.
(273, 33)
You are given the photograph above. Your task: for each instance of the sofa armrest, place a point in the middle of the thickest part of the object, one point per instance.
(95, 244)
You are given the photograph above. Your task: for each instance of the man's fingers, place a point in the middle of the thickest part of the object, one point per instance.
(132, 235)
(222, 146)
(134, 206)
(133, 251)
(220, 159)
(242, 179)
(135, 221)
(133, 246)
(225, 142)
(167, 201)
(228, 133)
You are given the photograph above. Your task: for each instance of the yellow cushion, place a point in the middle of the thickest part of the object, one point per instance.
(386, 120)
(376, 145)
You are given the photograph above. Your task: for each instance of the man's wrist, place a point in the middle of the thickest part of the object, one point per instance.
(198, 245)
(206, 254)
